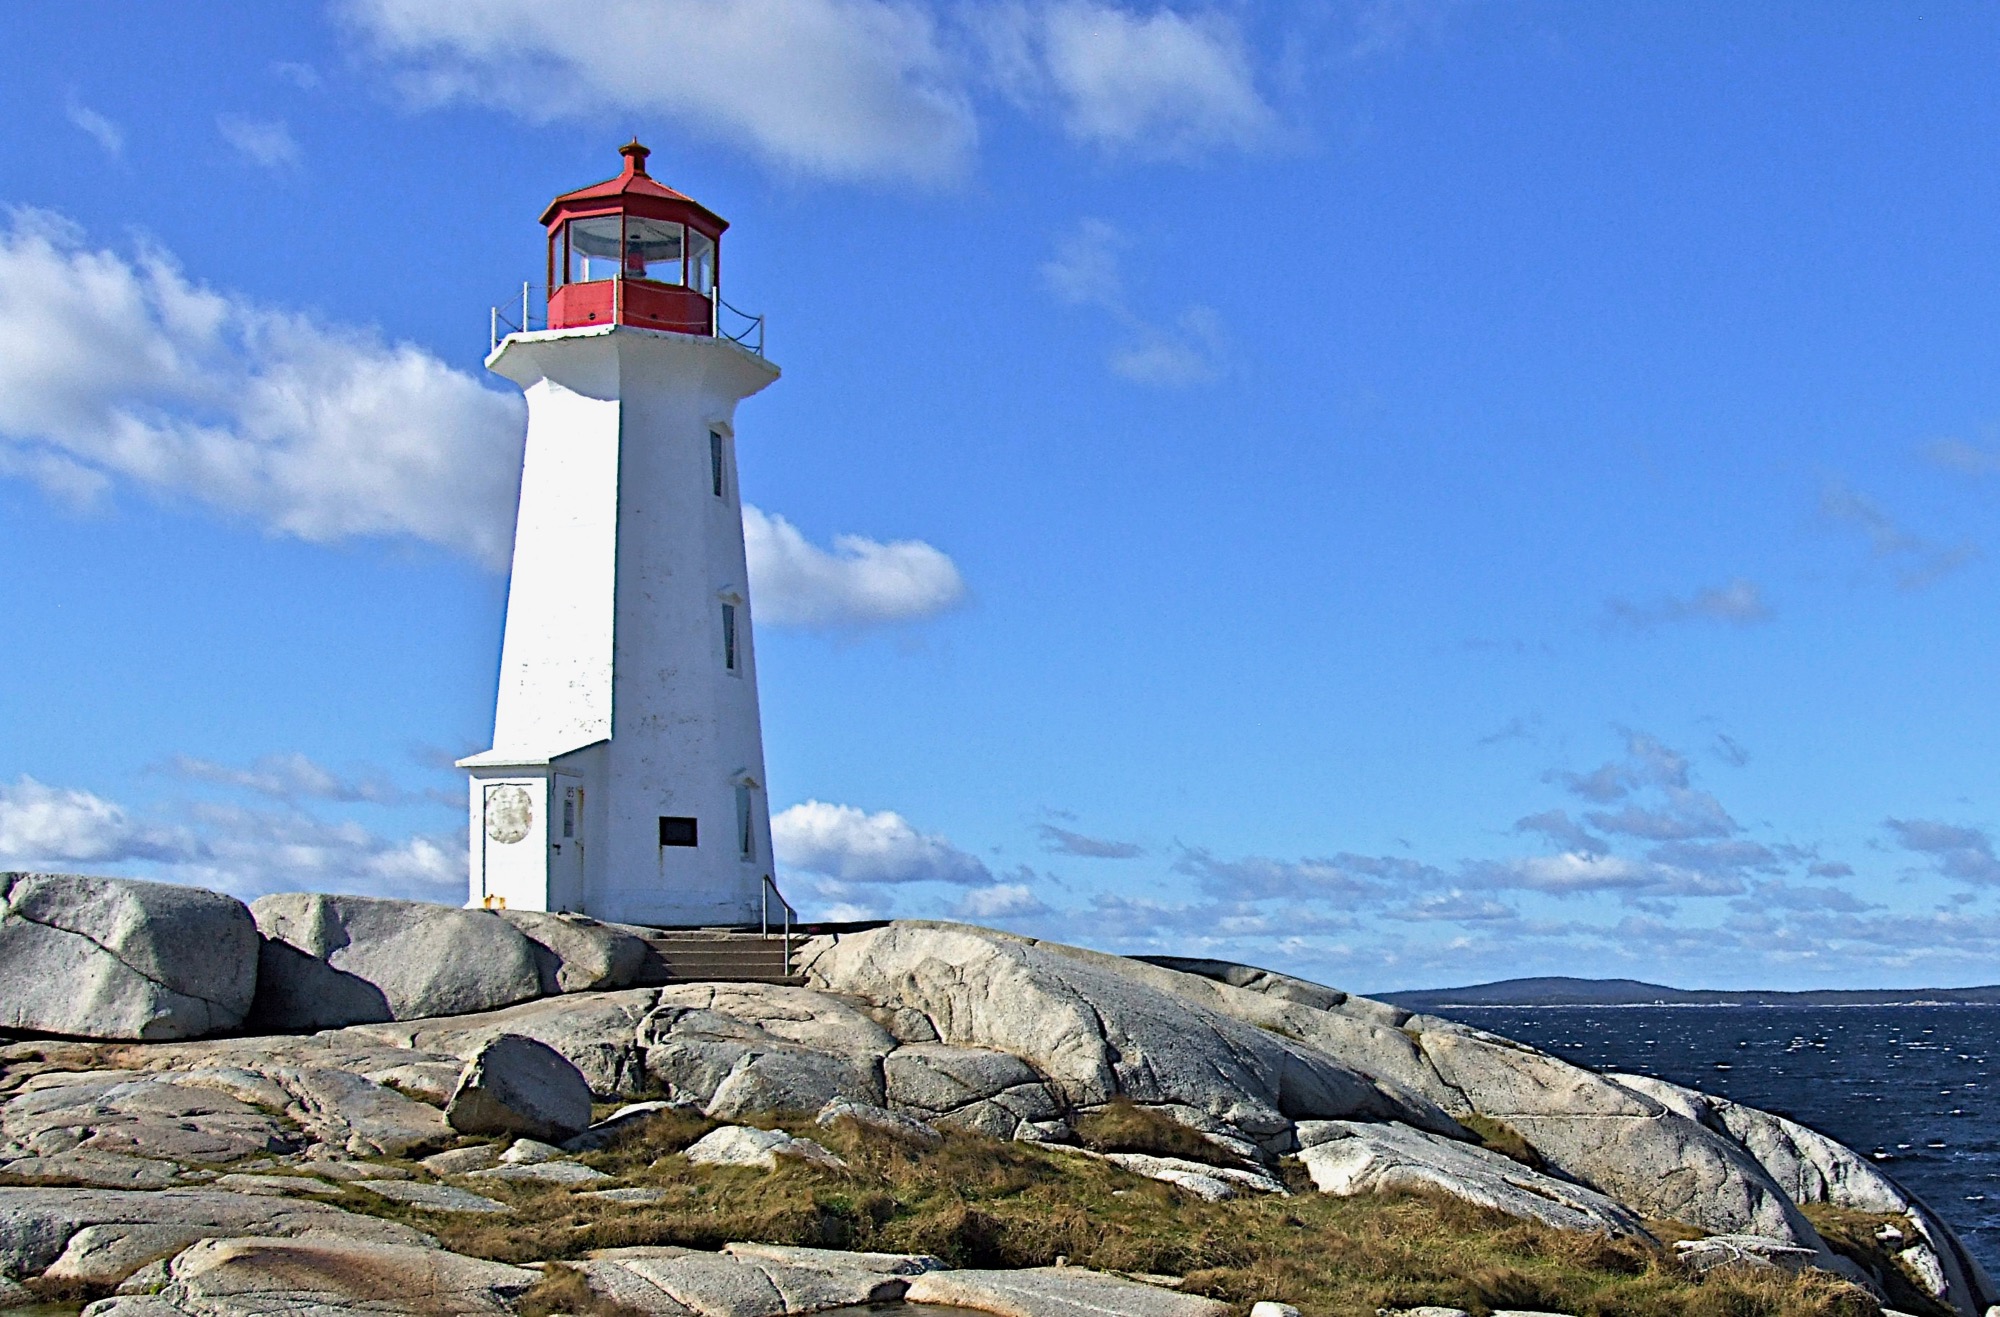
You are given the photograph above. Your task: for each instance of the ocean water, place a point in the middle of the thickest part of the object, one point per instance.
(1907, 1085)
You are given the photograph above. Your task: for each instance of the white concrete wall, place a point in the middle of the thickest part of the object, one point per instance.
(614, 622)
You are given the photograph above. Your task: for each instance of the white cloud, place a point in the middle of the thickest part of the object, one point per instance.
(1001, 901)
(43, 826)
(266, 143)
(1958, 852)
(1740, 602)
(1155, 85)
(1185, 353)
(224, 847)
(860, 581)
(106, 133)
(1086, 270)
(1575, 872)
(845, 844)
(250, 852)
(120, 370)
(844, 88)
(292, 776)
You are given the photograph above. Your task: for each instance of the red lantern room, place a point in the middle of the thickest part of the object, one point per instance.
(633, 251)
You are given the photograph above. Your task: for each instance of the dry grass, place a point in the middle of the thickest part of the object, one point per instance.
(565, 1290)
(1852, 1235)
(979, 1202)
(1122, 1125)
(1500, 1137)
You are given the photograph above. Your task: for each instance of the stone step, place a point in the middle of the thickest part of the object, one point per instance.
(715, 956)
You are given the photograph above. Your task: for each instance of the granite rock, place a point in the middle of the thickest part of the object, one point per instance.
(328, 961)
(515, 1085)
(118, 958)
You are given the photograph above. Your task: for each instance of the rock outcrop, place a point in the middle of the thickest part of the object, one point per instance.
(1811, 1168)
(437, 1023)
(117, 958)
(1346, 1157)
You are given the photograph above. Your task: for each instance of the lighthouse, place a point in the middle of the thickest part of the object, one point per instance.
(626, 778)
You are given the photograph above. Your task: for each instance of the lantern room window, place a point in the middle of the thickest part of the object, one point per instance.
(655, 250)
(594, 244)
(701, 262)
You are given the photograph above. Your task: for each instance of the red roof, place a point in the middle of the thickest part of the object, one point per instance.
(634, 182)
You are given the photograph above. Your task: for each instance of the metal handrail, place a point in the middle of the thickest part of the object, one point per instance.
(750, 335)
(771, 890)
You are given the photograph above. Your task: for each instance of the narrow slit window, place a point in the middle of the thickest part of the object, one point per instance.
(569, 812)
(729, 636)
(715, 461)
(676, 831)
(746, 835)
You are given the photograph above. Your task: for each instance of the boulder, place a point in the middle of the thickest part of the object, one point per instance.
(118, 958)
(598, 1032)
(1347, 1157)
(255, 1277)
(736, 1049)
(574, 953)
(563, 1172)
(328, 961)
(880, 1119)
(106, 1234)
(1056, 1292)
(1094, 1029)
(743, 1145)
(515, 1085)
(458, 1161)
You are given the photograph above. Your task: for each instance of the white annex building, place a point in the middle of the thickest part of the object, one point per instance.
(626, 778)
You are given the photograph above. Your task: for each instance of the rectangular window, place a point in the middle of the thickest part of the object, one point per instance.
(701, 262)
(569, 812)
(746, 835)
(594, 245)
(715, 461)
(655, 250)
(676, 831)
(729, 636)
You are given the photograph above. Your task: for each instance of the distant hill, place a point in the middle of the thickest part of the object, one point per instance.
(1631, 992)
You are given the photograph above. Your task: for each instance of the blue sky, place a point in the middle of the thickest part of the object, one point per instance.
(1406, 493)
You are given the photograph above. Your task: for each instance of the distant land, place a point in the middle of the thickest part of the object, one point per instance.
(1631, 992)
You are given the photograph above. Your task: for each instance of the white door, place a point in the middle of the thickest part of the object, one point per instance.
(514, 840)
(566, 843)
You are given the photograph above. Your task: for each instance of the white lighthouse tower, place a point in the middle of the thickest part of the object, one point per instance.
(626, 778)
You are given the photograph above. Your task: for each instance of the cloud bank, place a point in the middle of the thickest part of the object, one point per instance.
(844, 89)
(117, 370)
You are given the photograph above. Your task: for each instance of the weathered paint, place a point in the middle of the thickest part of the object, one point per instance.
(612, 675)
